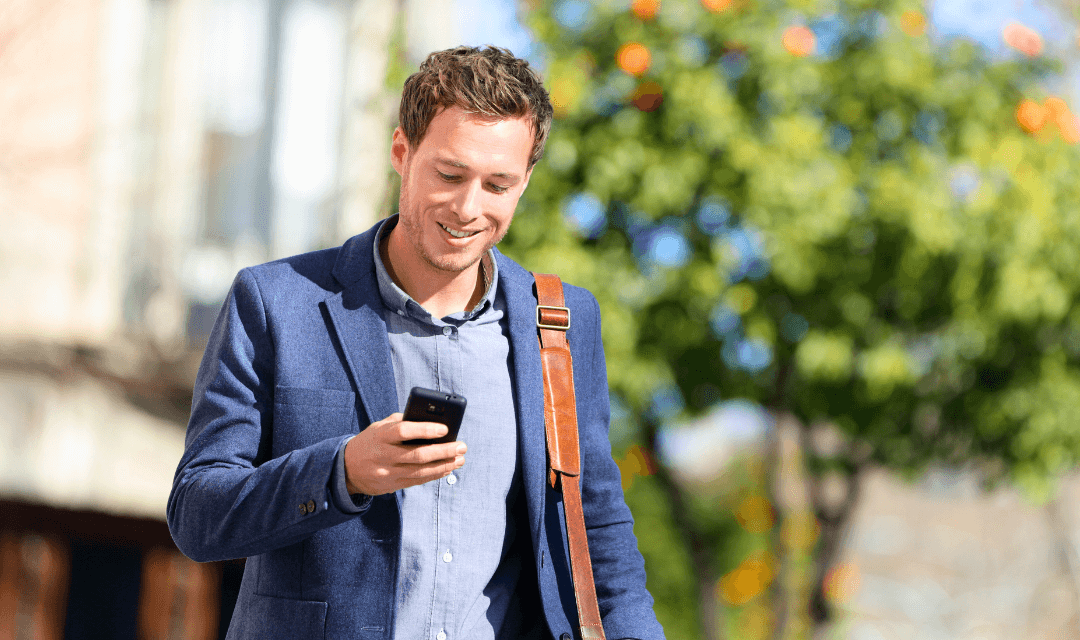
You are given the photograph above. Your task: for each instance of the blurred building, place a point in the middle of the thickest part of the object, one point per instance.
(148, 150)
(945, 559)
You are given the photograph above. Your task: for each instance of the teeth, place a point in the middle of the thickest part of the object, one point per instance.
(456, 234)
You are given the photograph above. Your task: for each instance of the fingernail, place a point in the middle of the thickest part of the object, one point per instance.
(461, 449)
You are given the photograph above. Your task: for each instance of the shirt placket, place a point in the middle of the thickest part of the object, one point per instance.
(448, 356)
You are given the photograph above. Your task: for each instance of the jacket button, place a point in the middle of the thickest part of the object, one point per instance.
(303, 509)
(565, 636)
(311, 506)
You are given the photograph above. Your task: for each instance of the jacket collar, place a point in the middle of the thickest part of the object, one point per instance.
(356, 314)
(517, 285)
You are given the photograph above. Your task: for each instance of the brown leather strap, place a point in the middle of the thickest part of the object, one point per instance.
(564, 459)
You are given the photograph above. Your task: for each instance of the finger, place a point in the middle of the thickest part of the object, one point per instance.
(425, 430)
(427, 473)
(433, 453)
(390, 419)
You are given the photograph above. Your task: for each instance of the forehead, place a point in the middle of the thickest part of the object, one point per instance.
(473, 139)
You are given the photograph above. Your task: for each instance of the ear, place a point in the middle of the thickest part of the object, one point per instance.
(399, 151)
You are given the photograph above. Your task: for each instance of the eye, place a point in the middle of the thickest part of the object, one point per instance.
(498, 188)
(448, 177)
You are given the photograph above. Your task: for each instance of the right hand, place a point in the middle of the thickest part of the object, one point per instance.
(376, 461)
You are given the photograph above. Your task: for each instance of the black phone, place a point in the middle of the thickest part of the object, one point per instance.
(427, 405)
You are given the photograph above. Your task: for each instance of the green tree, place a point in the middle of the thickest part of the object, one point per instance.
(819, 207)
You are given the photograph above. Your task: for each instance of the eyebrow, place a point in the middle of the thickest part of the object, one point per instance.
(513, 178)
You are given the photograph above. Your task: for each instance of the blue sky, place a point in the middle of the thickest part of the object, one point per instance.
(496, 22)
(983, 20)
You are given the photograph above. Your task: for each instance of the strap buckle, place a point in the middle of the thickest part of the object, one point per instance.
(557, 327)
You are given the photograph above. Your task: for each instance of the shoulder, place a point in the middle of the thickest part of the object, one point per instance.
(326, 269)
(315, 267)
(299, 279)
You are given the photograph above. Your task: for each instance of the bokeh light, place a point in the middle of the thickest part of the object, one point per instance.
(574, 15)
(964, 181)
(637, 462)
(1070, 128)
(693, 51)
(712, 216)
(667, 402)
(634, 58)
(1022, 38)
(585, 213)
(746, 581)
(745, 249)
(645, 9)
(668, 248)
(830, 32)
(724, 321)
(913, 23)
(842, 582)
(564, 92)
(734, 63)
(647, 96)
(1031, 115)
(753, 355)
(799, 40)
(1058, 111)
(755, 514)
(716, 6)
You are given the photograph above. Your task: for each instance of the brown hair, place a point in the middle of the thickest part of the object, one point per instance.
(489, 82)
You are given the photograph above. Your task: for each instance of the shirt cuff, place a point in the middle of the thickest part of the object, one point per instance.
(346, 502)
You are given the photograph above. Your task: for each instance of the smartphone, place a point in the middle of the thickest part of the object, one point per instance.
(426, 405)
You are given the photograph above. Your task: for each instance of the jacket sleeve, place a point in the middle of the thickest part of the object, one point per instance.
(230, 498)
(626, 607)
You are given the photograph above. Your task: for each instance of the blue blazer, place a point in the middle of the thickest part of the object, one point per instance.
(297, 363)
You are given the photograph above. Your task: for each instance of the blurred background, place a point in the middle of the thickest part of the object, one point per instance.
(836, 245)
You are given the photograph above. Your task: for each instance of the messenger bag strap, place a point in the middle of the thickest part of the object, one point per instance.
(561, 429)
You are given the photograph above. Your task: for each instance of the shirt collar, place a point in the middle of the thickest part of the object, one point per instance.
(395, 298)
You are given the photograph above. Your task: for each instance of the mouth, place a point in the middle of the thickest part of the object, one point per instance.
(458, 234)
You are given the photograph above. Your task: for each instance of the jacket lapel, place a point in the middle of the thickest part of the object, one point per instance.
(356, 315)
(517, 285)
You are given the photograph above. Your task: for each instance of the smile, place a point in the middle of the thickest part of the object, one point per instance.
(458, 234)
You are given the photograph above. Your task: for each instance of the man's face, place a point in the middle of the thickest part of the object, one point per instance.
(460, 185)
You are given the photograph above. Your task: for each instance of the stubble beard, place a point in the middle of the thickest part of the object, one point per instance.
(411, 224)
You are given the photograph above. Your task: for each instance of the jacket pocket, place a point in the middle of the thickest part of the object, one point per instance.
(268, 618)
(303, 417)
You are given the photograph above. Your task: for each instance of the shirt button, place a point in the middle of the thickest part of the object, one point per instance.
(401, 312)
(447, 331)
(451, 479)
(446, 557)
(440, 636)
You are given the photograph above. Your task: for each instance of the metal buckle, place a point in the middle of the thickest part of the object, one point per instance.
(558, 327)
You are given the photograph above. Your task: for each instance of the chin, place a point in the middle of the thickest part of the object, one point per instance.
(453, 263)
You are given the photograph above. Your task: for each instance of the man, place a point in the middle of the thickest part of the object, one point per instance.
(294, 454)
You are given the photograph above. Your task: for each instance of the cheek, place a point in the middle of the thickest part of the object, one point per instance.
(506, 211)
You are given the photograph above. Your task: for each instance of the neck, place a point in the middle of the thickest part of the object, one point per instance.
(438, 291)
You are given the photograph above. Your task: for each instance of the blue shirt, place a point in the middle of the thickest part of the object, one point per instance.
(456, 575)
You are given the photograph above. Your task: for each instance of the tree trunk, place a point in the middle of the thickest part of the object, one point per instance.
(833, 517)
(779, 597)
(709, 610)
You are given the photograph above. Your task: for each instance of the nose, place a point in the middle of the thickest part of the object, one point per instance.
(469, 201)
